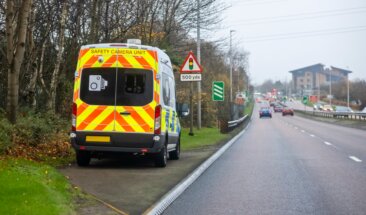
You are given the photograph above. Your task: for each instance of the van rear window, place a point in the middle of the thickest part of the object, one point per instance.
(125, 87)
(134, 87)
(98, 86)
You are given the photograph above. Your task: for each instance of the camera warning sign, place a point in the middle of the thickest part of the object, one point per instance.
(97, 83)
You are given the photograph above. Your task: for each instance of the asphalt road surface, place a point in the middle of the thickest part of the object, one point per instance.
(284, 165)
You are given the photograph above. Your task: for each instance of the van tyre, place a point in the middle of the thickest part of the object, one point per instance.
(83, 158)
(161, 158)
(174, 155)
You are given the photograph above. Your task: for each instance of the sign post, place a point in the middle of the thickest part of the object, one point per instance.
(191, 71)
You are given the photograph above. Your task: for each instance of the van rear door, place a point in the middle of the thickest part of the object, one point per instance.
(137, 91)
(94, 91)
(134, 95)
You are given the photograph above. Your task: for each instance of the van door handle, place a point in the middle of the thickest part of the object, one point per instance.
(125, 113)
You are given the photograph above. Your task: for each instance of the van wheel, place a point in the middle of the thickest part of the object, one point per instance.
(161, 158)
(83, 158)
(174, 155)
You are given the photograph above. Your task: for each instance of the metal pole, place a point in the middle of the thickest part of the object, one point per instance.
(286, 94)
(191, 109)
(347, 90)
(318, 83)
(330, 88)
(231, 67)
(199, 61)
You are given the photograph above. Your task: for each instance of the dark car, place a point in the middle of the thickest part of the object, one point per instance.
(265, 112)
(277, 108)
(342, 111)
(287, 111)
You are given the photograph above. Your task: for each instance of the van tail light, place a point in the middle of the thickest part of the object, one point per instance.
(73, 117)
(157, 125)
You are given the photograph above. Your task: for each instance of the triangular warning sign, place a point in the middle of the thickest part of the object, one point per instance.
(190, 64)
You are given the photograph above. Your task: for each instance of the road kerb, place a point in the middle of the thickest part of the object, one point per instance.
(173, 194)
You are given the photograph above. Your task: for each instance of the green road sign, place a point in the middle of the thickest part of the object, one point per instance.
(218, 91)
(305, 100)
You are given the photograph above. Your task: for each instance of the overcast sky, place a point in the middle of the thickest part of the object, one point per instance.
(283, 35)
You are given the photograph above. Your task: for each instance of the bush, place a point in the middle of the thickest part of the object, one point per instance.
(37, 128)
(6, 130)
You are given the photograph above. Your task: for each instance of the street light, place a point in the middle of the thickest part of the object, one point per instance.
(330, 82)
(347, 90)
(231, 67)
(199, 61)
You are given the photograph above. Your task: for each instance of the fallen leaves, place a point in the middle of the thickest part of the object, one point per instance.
(58, 148)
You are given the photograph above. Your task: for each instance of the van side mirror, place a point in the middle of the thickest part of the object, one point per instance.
(182, 109)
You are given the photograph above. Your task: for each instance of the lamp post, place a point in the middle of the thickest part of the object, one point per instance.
(347, 90)
(318, 80)
(199, 61)
(231, 67)
(330, 87)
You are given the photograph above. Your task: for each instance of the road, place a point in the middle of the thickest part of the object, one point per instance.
(284, 165)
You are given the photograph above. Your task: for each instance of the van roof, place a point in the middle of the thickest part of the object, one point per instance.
(119, 45)
(162, 55)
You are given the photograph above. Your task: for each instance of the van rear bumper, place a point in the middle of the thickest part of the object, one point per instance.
(119, 142)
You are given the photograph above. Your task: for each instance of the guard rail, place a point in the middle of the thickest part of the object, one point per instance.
(341, 115)
(227, 126)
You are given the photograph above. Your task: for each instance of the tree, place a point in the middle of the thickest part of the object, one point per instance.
(16, 32)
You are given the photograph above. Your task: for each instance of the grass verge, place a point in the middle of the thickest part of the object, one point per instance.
(29, 188)
(249, 109)
(210, 136)
(202, 138)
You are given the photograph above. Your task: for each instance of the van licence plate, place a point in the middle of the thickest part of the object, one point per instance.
(102, 139)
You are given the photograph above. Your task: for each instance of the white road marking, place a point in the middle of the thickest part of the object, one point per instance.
(327, 143)
(295, 127)
(355, 159)
(312, 135)
(302, 131)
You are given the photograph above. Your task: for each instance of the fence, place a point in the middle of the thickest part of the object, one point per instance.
(340, 115)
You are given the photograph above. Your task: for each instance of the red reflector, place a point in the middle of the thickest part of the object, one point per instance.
(82, 148)
(144, 150)
(157, 129)
(73, 117)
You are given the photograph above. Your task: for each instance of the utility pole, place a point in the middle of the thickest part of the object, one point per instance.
(199, 61)
(231, 67)
(318, 81)
(330, 87)
(191, 109)
(286, 87)
(347, 90)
